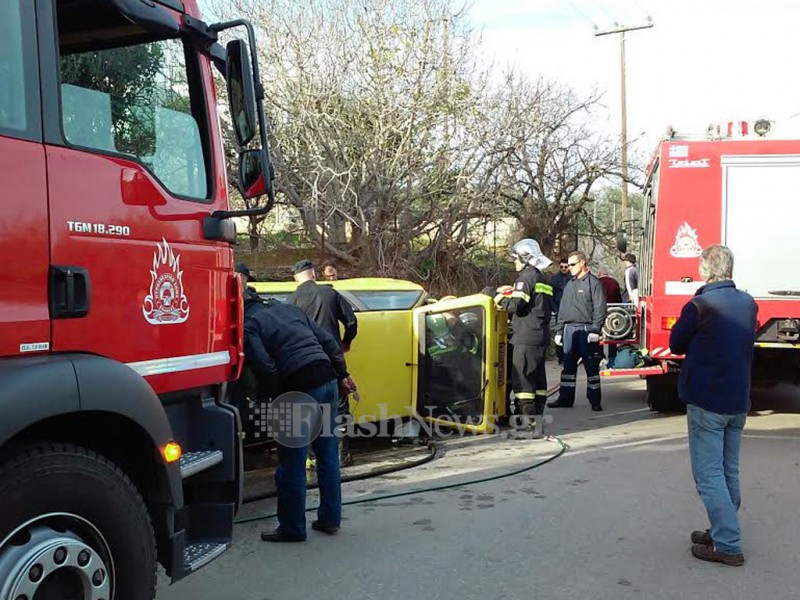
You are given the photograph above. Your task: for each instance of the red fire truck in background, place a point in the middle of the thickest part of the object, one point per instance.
(121, 316)
(735, 186)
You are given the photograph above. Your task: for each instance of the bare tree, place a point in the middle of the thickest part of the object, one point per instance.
(554, 158)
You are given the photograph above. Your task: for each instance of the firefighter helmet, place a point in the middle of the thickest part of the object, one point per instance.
(529, 253)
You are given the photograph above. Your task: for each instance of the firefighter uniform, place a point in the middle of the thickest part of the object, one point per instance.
(580, 321)
(530, 306)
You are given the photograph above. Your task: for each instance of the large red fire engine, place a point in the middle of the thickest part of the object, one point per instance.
(736, 186)
(121, 317)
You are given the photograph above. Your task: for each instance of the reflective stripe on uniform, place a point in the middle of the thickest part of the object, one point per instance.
(524, 395)
(568, 377)
(592, 386)
(543, 288)
(593, 379)
(567, 384)
(541, 393)
(520, 294)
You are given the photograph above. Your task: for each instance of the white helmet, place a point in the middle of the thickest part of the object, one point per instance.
(528, 252)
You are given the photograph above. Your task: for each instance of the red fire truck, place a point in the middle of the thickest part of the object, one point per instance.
(121, 317)
(733, 186)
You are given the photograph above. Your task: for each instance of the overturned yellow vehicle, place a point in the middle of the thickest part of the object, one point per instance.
(442, 362)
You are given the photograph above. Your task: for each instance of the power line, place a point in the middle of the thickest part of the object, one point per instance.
(603, 9)
(585, 16)
(643, 9)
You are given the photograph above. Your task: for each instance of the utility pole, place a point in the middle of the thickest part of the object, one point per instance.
(621, 30)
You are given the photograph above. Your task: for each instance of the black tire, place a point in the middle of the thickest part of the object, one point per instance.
(662, 394)
(52, 478)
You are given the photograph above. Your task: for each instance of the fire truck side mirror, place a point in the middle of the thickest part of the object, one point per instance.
(622, 242)
(241, 91)
(253, 170)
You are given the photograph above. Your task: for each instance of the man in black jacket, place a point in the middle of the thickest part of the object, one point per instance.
(580, 321)
(559, 281)
(327, 308)
(323, 304)
(529, 302)
(289, 353)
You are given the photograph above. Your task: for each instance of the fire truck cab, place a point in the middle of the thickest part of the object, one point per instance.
(734, 185)
(121, 315)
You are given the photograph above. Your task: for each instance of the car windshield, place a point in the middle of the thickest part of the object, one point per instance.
(389, 300)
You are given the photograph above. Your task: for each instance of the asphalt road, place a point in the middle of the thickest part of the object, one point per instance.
(610, 518)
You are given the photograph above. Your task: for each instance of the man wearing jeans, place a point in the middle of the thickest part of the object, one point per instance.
(288, 352)
(716, 332)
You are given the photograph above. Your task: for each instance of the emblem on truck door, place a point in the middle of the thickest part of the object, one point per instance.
(686, 244)
(166, 304)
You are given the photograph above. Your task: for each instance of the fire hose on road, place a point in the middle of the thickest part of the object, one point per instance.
(563, 447)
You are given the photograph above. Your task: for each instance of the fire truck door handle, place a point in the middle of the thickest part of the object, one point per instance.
(69, 292)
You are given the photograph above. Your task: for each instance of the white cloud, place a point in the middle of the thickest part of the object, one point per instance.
(703, 61)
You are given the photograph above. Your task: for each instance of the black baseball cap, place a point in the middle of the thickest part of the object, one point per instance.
(302, 265)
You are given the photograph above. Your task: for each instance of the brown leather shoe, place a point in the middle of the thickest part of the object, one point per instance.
(702, 537)
(711, 555)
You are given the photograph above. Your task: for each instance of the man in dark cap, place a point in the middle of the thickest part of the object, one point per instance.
(244, 270)
(327, 308)
(324, 305)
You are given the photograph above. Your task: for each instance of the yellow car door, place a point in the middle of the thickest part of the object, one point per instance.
(459, 374)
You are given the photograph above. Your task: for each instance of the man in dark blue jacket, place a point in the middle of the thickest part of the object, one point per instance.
(289, 353)
(716, 332)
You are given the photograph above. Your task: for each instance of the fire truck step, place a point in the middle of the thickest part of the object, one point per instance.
(194, 462)
(199, 554)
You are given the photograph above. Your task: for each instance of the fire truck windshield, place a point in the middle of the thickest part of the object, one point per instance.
(124, 92)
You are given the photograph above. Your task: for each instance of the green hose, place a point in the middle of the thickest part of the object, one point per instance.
(564, 448)
(434, 488)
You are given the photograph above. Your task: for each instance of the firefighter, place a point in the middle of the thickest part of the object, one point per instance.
(529, 303)
(580, 321)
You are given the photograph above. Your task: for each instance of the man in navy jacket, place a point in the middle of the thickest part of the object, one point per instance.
(716, 332)
(288, 352)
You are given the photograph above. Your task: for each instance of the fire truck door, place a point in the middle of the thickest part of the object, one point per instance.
(459, 378)
(24, 318)
(129, 181)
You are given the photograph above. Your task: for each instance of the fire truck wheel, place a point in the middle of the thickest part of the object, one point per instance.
(72, 527)
(662, 394)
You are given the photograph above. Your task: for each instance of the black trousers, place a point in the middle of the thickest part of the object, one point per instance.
(529, 378)
(579, 347)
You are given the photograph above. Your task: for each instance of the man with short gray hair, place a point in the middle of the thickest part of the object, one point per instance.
(716, 332)
(578, 327)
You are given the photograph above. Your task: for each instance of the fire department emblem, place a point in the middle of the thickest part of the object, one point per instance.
(686, 244)
(166, 304)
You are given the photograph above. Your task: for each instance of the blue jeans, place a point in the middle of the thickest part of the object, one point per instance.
(290, 476)
(714, 444)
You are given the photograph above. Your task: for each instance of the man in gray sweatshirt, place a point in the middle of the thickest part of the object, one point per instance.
(580, 320)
